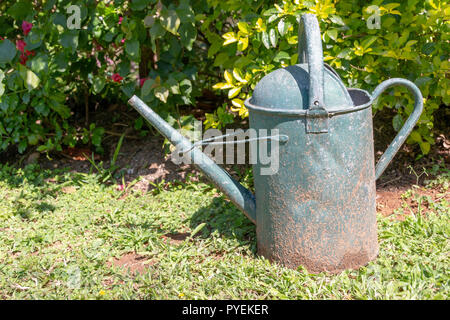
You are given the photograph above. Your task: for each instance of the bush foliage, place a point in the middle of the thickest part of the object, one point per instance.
(411, 41)
(168, 51)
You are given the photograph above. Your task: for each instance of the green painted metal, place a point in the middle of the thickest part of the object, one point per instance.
(239, 195)
(318, 209)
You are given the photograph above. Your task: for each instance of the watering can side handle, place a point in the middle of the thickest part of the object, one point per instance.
(310, 51)
(404, 132)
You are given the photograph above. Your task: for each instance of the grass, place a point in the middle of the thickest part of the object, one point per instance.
(60, 233)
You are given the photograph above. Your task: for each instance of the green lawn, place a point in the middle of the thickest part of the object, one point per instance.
(60, 233)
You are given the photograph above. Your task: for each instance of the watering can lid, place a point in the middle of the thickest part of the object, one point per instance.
(288, 88)
(306, 85)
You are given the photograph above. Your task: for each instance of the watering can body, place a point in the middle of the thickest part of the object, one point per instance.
(317, 209)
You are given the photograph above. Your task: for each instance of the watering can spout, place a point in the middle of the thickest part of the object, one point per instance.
(239, 195)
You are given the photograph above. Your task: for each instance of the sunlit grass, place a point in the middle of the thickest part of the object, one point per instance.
(59, 233)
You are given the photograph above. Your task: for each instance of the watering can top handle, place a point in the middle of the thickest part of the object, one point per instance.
(310, 52)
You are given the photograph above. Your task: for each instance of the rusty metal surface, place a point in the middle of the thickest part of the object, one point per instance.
(319, 209)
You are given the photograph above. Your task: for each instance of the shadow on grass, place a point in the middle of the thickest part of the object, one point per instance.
(34, 186)
(223, 218)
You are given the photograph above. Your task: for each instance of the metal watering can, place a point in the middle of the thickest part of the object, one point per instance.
(318, 210)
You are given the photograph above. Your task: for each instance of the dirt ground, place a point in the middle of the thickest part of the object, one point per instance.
(144, 158)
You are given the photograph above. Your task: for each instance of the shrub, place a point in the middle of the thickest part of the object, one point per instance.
(411, 42)
(120, 48)
(168, 51)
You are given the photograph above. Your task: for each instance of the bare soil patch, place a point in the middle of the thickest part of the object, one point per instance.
(176, 238)
(135, 263)
(390, 199)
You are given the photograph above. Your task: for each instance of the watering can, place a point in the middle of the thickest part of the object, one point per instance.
(318, 210)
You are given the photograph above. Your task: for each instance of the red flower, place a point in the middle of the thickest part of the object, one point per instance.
(98, 47)
(20, 45)
(142, 81)
(26, 27)
(120, 20)
(23, 59)
(30, 53)
(116, 77)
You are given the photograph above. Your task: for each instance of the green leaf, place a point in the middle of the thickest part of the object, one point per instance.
(20, 10)
(69, 39)
(185, 12)
(34, 39)
(61, 62)
(228, 77)
(162, 94)
(157, 31)
(173, 85)
(273, 37)
(147, 87)
(186, 86)
(237, 74)
(7, 51)
(96, 137)
(282, 55)
(22, 146)
(428, 48)
(132, 49)
(425, 147)
(188, 34)
(197, 229)
(344, 54)
(39, 63)
(59, 19)
(138, 5)
(397, 122)
(387, 22)
(415, 136)
(149, 21)
(234, 92)
(128, 89)
(29, 77)
(170, 21)
(61, 109)
(98, 84)
(332, 33)
(42, 108)
(229, 37)
(244, 28)
(242, 44)
(336, 19)
(366, 43)
(221, 59)
(33, 139)
(265, 39)
(282, 27)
